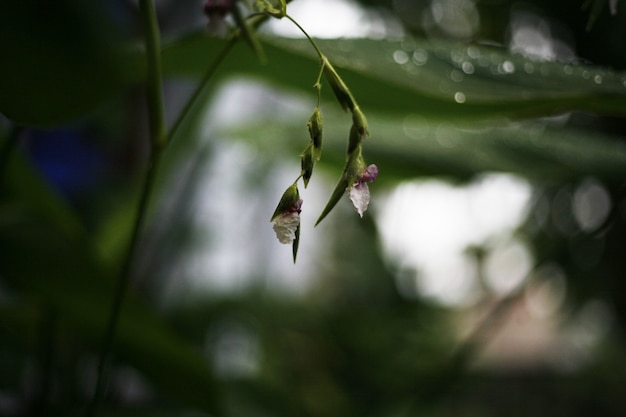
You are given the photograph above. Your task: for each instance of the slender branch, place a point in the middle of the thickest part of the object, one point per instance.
(158, 140)
(311, 41)
(255, 20)
(201, 86)
(156, 110)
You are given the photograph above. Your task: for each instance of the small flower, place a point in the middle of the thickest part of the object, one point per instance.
(286, 217)
(286, 224)
(359, 192)
(216, 11)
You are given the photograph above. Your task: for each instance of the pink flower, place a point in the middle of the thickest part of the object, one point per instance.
(359, 192)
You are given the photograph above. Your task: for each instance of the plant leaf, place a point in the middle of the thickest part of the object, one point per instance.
(66, 276)
(441, 80)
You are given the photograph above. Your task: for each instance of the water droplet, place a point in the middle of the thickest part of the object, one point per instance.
(586, 74)
(407, 44)
(568, 70)
(459, 97)
(400, 57)
(597, 79)
(473, 52)
(506, 67)
(420, 57)
(529, 68)
(456, 56)
(467, 67)
(456, 76)
(416, 127)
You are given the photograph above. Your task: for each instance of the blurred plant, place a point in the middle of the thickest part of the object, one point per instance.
(362, 341)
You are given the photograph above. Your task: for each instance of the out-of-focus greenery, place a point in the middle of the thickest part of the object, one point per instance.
(73, 144)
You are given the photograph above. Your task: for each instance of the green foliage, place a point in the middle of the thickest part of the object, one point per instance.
(355, 345)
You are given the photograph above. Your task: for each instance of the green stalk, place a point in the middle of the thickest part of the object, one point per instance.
(158, 141)
(311, 41)
(201, 86)
(156, 108)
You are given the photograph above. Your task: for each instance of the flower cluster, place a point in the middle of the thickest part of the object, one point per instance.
(356, 174)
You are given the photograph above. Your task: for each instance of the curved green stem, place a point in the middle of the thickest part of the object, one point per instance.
(311, 41)
(318, 85)
(158, 141)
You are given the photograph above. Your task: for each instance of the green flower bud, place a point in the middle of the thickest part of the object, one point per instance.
(338, 86)
(354, 166)
(360, 122)
(289, 201)
(354, 140)
(307, 164)
(278, 11)
(315, 132)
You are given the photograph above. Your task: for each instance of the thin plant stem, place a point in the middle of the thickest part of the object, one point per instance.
(201, 86)
(318, 85)
(158, 141)
(156, 108)
(311, 41)
(255, 20)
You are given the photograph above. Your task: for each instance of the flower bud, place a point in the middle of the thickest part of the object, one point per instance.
(307, 164)
(278, 11)
(315, 132)
(289, 200)
(354, 140)
(360, 122)
(354, 167)
(338, 86)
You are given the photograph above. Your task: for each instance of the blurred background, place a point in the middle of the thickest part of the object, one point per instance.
(487, 277)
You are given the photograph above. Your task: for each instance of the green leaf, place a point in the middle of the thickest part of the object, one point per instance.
(338, 192)
(441, 80)
(411, 146)
(296, 244)
(41, 262)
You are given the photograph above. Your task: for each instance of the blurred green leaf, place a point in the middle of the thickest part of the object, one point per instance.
(59, 59)
(412, 146)
(41, 262)
(442, 80)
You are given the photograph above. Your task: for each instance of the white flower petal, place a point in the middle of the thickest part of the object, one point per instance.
(360, 197)
(285, 226)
